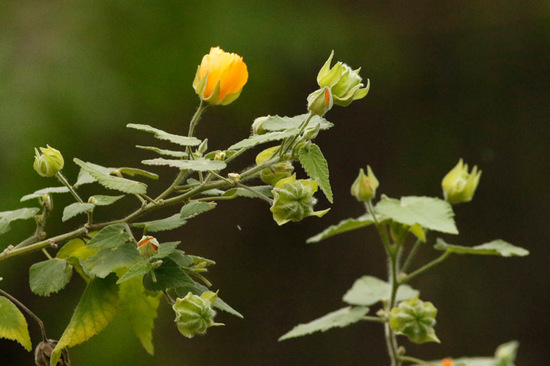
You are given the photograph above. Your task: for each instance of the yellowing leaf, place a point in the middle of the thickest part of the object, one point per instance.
(140, 308)
(96, 309)
(13, 324)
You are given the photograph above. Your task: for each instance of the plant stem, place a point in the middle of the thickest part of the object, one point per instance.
(411, 255)
(426, 267)
(20, 304)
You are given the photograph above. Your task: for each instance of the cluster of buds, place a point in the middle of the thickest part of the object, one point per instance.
(293, 200)
(339, 85)
(459, 185)
(415, 319)
(194, 314)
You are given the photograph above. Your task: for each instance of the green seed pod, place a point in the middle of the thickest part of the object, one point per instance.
(194, 314)
(49, 163)
(293, 200)
(415, 319)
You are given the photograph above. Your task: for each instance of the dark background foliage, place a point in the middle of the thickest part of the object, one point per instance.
(450, 79)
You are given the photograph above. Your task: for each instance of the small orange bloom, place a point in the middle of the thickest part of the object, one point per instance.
(220, 77)
(447, 362)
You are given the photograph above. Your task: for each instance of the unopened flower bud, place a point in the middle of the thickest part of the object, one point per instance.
(266, 154)
(459, 185)
(344, 82)
(220, 77)
(148, 246)
(415, 319)
(49, 163)
(293, 200)
(277, 172)
(364, 187)
(194, 314)
(234, 177)
(220, 156)
(320, 102)
(257, 126)
(311, 132)
(201, 149)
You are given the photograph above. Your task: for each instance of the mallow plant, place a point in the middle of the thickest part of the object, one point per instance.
(129, 269)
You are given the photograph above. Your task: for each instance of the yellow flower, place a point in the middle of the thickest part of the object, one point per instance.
(220, 77)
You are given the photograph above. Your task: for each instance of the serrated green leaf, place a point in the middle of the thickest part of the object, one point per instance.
(75, 209)
(135, 171)
(172, 153)
(429, 212)
(316, 167)
(13, 325)
(198, 289)
(198, 165)
(95, 310)
(276, 123)
(168, 276)
(43, 191)
(109, 237)
(261, 139)
(195, 208)
(162, 135)
(181, 259)
(368, 290)
(109, 260)
(169, 223)
(49, 276)
(139, 268)
(241, 192)
(102, 200)
(7, 217)
(339, 318)
(85, 178)
(495, 247)
(140, 308)
(112, 182)
(342, 227)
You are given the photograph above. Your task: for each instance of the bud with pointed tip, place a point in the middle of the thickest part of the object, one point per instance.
(194, 314)
(49, 162)
(459, 185)
(364, 187)
(320, 102)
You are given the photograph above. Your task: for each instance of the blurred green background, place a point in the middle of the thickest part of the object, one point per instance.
(449, 79)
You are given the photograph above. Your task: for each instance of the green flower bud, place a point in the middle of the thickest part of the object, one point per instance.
(49, 163)
(148, 246)
(459, 185)
(257, 128)
(201, 149)
(344, 82)
(311, 132)
(364, 187)
(415, 319)
(293, 200)
(277, 172)
(194, 314)
(320, 102)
